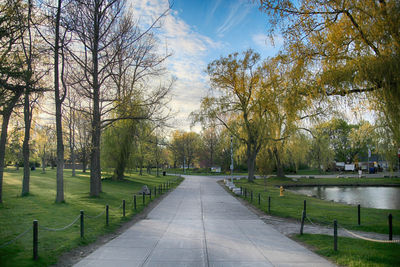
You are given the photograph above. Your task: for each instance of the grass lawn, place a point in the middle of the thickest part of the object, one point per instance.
(17, 213)
(320, 211)
(353, 252)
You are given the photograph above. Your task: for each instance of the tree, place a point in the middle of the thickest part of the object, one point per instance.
(119, 144)
(71, 118)
(11, 70)
(185, 145)
(105, 29)
(83, 137)
(260, 102)
(353, 47)
(297, 150)
(237, 81)
(43, 142)
(32, 89)
(210, 146)
(14, 144)
(321, 152)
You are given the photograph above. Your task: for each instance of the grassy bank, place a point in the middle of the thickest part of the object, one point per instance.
(320, 211)
(17, 213)
(352, 252)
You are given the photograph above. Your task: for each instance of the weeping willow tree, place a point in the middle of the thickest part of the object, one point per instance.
(118, 144)
(352, 46)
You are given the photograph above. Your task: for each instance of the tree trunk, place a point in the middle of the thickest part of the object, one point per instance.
(3, 141)
(119, 172)
(278, 162)
(44, 163)
(72, 147)
(95, 168)
(25, 145)
(251, 162)
(84, 160)
(73, 162)
(58, 101)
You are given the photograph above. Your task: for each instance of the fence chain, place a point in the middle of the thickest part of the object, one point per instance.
(97, 216)
(62, 228)
(16, 238)
(369, 239)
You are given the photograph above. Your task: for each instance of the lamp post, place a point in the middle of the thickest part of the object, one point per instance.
(231, 158)
(369, 155)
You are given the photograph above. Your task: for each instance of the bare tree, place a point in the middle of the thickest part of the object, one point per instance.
(104, 29)
(32, 90)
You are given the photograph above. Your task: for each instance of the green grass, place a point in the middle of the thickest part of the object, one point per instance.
(320, 211)
(17, 213)
(352, 252)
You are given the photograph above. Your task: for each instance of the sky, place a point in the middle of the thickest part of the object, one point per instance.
(197, 32)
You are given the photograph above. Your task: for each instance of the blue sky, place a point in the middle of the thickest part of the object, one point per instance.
(198, 32)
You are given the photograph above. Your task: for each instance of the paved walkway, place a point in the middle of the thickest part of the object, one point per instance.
(200, 224)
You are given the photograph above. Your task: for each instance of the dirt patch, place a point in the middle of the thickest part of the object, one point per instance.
(74, 256)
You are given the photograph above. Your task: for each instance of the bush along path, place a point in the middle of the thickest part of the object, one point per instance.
(372, 228)
(52, 229)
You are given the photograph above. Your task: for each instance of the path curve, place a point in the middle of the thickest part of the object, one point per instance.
(200, 224)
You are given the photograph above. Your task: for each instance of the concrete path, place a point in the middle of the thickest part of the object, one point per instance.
(200, 224)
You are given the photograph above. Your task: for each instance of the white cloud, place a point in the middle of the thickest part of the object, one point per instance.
(187, 61)
(237, 12)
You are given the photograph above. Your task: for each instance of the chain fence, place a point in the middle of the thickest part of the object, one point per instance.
(16, 238)
(245, 193)
(166, 187)
(62, 228)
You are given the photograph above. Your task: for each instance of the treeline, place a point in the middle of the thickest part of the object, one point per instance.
(87, 66)
(323, 144)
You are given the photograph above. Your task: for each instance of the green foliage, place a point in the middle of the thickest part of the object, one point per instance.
(354, 46)
(118, 145)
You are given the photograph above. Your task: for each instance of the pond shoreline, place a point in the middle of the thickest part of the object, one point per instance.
(339, 184)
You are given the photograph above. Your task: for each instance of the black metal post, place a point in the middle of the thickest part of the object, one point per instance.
(259, 199)
(251, 196)
(82, 225)
(241, 191)
(150, 194)
(269, 204)
(155, 191)
(35, 240)
(143, 198)
(359, 214)
(390, 227)
(107, 215)
(335, 235)
(303, 216)
(134, 202)
(123, 207)
(305, 208)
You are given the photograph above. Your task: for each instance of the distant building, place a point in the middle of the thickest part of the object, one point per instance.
(216, 169)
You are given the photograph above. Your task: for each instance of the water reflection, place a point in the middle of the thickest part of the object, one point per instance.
(366, 196)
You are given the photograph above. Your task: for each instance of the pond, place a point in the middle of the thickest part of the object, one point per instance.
(367, 196)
